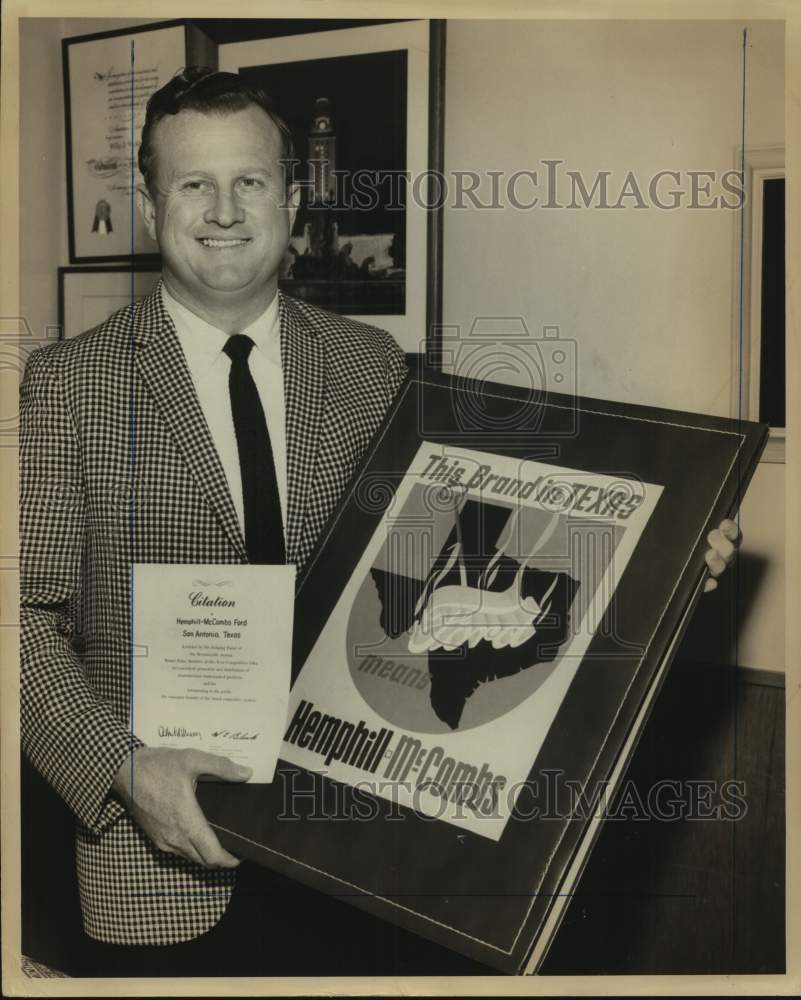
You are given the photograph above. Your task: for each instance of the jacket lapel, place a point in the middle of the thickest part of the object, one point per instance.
(303, 362)
(160, 360)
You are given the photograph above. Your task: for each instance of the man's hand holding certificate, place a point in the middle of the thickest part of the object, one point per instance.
(211, 673)
(211, 666)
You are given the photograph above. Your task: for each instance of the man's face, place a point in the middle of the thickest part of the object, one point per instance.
(219, 211)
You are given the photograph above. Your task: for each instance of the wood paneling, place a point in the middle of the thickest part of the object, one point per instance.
(702, 895)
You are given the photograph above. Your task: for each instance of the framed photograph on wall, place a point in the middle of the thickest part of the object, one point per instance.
(108, 79)
(365, 107)
(89, 295)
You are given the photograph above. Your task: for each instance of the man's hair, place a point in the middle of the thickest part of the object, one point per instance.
(198, 88)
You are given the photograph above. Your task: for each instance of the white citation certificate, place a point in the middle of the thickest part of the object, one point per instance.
(212, 659)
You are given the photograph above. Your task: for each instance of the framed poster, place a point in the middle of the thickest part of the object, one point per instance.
(365, 106)
(487, 620)
(108, 79)
(89, 295)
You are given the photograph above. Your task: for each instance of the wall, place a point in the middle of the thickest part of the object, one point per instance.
(647, 295)
(744, 622)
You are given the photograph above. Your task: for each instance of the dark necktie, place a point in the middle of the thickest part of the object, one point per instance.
(264, 531)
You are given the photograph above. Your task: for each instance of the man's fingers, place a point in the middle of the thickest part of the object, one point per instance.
(198, 841)
(210, 851)
(165, 806)
(202, 838)
(724, 541)
(185, 850)
(715, 562)
(721, 544)
(179, 850)
(218, 766)
(730, 530)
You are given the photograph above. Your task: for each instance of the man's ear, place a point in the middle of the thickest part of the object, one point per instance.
(293, 203)
(147, 210)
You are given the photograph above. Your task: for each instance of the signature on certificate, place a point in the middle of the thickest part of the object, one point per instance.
(238, 734)
(173, 731)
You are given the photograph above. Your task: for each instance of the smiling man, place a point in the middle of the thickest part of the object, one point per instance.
(216, 203)
(217, 421)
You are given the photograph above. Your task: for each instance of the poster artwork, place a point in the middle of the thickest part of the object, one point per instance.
(435, 680)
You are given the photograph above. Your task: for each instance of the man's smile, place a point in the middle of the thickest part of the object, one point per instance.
(223, 243)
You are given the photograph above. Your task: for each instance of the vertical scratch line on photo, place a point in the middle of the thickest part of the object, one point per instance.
(736, 567)
(132, 426)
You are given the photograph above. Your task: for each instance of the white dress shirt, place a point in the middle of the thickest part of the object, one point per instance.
(209, 366)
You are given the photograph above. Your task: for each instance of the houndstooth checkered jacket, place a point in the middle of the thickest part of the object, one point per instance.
(118, 466)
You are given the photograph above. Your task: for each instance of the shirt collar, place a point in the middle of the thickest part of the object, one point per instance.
(265, 330)
(203, 343)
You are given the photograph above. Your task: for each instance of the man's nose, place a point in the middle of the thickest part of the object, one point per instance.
(224, 209)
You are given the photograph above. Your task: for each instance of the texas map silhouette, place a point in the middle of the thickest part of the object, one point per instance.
(457, 674)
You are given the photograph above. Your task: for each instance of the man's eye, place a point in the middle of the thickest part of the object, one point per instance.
(195, 185)
(252, 183)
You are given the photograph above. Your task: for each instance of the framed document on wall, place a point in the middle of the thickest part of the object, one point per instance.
(89, 295)
(365, 107)
(108, 79)
(486, 622)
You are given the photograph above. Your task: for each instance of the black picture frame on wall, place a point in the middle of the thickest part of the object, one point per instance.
(108, 77)
(299, 61)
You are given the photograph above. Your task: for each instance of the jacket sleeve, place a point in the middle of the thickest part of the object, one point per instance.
(68, 732)
(396, 369)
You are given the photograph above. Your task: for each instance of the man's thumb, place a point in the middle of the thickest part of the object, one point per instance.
(216, 766)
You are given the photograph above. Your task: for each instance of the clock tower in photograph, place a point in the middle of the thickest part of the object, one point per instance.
(322, 154)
